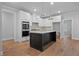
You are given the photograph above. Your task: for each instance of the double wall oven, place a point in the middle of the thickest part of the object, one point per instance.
(25, 28)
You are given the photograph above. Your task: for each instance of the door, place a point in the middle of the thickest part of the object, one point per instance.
(67, 29)
(66, 33)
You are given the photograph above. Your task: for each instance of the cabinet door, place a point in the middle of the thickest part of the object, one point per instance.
(53, 36)
(36, 41)
(46, 38)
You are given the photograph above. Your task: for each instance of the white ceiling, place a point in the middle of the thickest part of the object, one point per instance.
(44, 8)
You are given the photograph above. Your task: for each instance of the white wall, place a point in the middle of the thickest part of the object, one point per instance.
(13, 23)
(10, 18)
(74, 16)
(75, 27)
(7, 25)
(0, 23)
(0, 33)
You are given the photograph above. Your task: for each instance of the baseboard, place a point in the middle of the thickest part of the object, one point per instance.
(75, 38)
(7, 39)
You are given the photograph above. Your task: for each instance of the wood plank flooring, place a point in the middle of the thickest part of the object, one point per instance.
(70, 48)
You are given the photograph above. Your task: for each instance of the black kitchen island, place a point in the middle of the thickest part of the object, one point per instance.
(41, 40)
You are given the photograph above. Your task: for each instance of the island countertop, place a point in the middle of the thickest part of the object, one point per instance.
(41, 31)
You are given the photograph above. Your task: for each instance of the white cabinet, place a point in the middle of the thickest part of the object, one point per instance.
(57, 18)
(24, 15)
(45, 22)
(36, 19)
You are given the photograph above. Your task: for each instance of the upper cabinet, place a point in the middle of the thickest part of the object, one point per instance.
(50, 21)
(55, 18)
(45, 22)
(36, 18)
(24, 15)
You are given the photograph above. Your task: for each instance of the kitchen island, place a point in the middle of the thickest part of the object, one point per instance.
(41, 40)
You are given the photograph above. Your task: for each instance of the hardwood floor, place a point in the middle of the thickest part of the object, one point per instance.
(12, 48)
(70, 48)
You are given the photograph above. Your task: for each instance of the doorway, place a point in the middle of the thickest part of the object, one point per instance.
(67, 29)
(66, 33)
(8, 29)
(7, 25)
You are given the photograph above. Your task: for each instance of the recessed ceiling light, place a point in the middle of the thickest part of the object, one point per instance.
(59, 11)
(34, 9)
(51, 3)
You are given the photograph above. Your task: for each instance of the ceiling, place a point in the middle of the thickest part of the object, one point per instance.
(44, 8)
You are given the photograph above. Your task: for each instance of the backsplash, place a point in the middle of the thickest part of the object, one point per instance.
(42, 28)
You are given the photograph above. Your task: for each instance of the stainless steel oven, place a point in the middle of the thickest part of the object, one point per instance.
(25, 25)
(25, 28)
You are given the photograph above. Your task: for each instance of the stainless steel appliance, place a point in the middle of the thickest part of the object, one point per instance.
(25, 28)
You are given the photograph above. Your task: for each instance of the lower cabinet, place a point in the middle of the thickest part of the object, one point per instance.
(40, 41)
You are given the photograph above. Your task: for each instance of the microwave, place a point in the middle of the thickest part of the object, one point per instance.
(25, 25)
